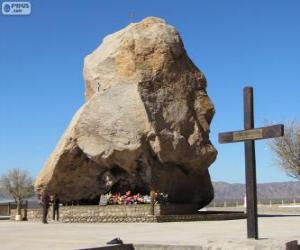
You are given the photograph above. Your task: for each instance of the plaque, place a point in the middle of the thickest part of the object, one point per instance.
(103, 200)
(251, 134)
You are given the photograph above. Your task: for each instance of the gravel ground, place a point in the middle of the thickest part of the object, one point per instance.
(274, 233)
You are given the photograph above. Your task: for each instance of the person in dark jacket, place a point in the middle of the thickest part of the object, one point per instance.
(45, 202)
(55, 208)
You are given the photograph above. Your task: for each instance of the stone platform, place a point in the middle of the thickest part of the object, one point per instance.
(133, 213)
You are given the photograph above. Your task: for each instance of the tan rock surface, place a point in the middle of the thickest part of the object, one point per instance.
(145, 122)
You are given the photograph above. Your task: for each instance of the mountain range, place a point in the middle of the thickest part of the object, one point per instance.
(287, 191)
(276, 191)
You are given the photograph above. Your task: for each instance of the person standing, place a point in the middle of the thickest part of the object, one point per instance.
(55, 208)
(45, 201)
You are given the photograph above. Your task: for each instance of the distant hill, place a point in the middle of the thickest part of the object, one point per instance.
(286, 191)
(3, 194)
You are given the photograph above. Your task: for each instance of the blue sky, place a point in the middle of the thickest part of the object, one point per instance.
(235, 43)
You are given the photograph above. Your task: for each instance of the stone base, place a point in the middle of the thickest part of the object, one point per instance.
(161, 218)
(132, 213)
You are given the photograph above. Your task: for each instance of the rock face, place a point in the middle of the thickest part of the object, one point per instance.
(144, 125)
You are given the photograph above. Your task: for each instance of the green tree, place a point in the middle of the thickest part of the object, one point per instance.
(19, 184)
(287, 149)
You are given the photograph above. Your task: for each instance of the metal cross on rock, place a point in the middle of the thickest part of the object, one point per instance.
(249, 135)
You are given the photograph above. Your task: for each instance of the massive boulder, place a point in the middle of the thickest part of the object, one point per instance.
(144, 125)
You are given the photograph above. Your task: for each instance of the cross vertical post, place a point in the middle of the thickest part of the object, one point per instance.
(250, 163)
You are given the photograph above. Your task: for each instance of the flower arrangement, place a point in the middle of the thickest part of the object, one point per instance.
(129, 199)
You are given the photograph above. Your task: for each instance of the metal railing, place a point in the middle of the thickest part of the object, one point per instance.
(5, 208)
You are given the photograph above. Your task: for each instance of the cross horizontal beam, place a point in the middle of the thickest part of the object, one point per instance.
(252, 134)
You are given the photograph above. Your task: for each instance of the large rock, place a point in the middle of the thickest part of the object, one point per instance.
(144, 125)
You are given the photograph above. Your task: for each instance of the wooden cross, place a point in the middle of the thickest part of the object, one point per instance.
(249, 135)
